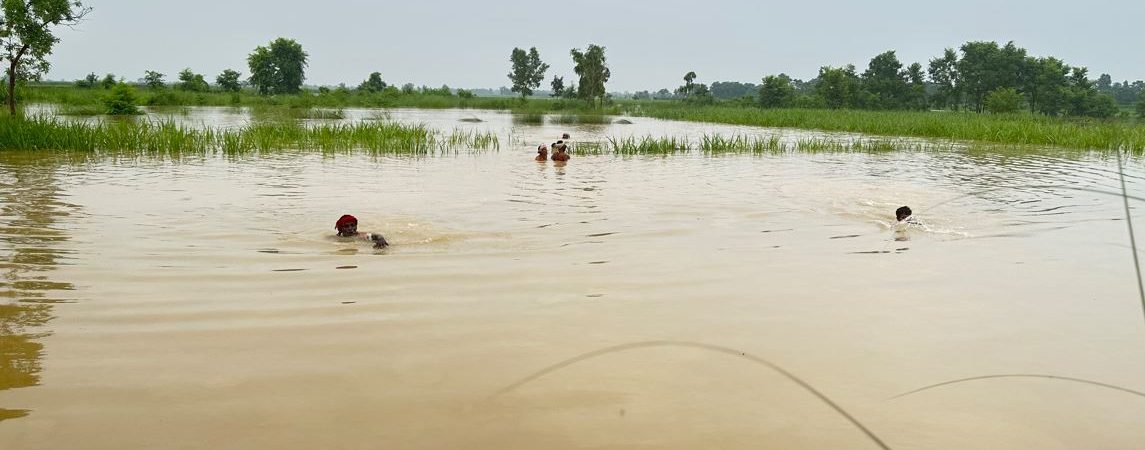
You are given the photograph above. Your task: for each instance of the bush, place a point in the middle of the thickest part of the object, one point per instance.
(122, 101)
(1003, 101)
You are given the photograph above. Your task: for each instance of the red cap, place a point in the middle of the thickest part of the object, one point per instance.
(346, 219)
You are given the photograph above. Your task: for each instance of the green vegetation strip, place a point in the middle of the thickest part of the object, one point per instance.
(1020, 129)
(151, 137)
(714, 144)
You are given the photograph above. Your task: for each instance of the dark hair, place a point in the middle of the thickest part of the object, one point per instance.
(903, 213)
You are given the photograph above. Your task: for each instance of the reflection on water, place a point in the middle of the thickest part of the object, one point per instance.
(216, 303)
(31, 246)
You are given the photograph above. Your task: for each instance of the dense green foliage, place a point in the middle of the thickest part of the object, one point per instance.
(372, 83)
(229, 81)
(1003, 101)
(121, 101)
(27, 38)
(191, 81)
(153, 80)
(278, 68)
(592, 68)
(528, 71)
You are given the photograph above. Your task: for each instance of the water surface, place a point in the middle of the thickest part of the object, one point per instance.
(157, 303)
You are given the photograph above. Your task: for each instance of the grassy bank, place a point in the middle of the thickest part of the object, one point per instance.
(142, 137)
(1023, 129)
(1020, 129)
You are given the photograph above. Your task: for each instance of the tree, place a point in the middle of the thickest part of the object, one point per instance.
(686, 90)
(592, 67)
(1046, 85)
(26, 37)
(88, 81)
(228, 81)
(838, 87)
(734, 89)
(373, 83)
(121, 100)
(944, 74)
(886, 82)
(153, 79)
(108, 81)
(558, 86)
(916, 89)
(776, 92)
(1003, 101)
(278, 68)
(191, 81)
(528, 71)
(985, 67)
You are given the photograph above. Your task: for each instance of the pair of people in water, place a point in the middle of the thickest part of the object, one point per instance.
(560, 150)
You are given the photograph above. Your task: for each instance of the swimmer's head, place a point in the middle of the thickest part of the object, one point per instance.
(346, 225)
(542, 149)
(902, 213)
(565, 136)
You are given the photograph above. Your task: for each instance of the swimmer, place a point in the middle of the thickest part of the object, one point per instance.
(561, 154)
(347, 226)
(542, 153)
(905, 215)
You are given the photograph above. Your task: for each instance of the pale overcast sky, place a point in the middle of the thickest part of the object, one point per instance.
(650, 44)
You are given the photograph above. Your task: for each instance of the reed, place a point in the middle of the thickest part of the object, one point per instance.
(147, 137)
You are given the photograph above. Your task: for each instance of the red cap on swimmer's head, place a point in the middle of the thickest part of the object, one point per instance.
(346, 219)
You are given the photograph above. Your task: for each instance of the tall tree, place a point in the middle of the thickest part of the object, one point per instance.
(592, 67)
(153, 79)
(26, 37)
(1046, 85)
(558, 86)
(916, 95)
(944, 74)
(776, 92)
(885, 80)
(191, 81)
(838, 87)
(228, 81)
(278, 68)
(373, 83)
(528, 71)
(686, 90)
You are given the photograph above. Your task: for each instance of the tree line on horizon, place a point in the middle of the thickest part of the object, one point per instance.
(979, 76)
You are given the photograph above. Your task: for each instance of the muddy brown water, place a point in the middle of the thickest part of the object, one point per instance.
(631, 302)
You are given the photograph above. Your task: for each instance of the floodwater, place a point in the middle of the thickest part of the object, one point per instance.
(638, 302)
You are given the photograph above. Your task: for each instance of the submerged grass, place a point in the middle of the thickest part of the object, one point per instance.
(588, 119)
(167, 138)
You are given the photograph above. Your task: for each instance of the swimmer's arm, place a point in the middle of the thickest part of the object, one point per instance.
(377, 238)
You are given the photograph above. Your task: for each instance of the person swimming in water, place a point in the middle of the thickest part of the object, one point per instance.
(542, 153)
(561, 153)
(905, 215)
(347, 226)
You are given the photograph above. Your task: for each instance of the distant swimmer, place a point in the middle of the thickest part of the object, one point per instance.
(347, 226)
(905, 215)
(542, 153)
(561, 153)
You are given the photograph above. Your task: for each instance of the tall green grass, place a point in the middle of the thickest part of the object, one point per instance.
(143, 137)
(1023, 129)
